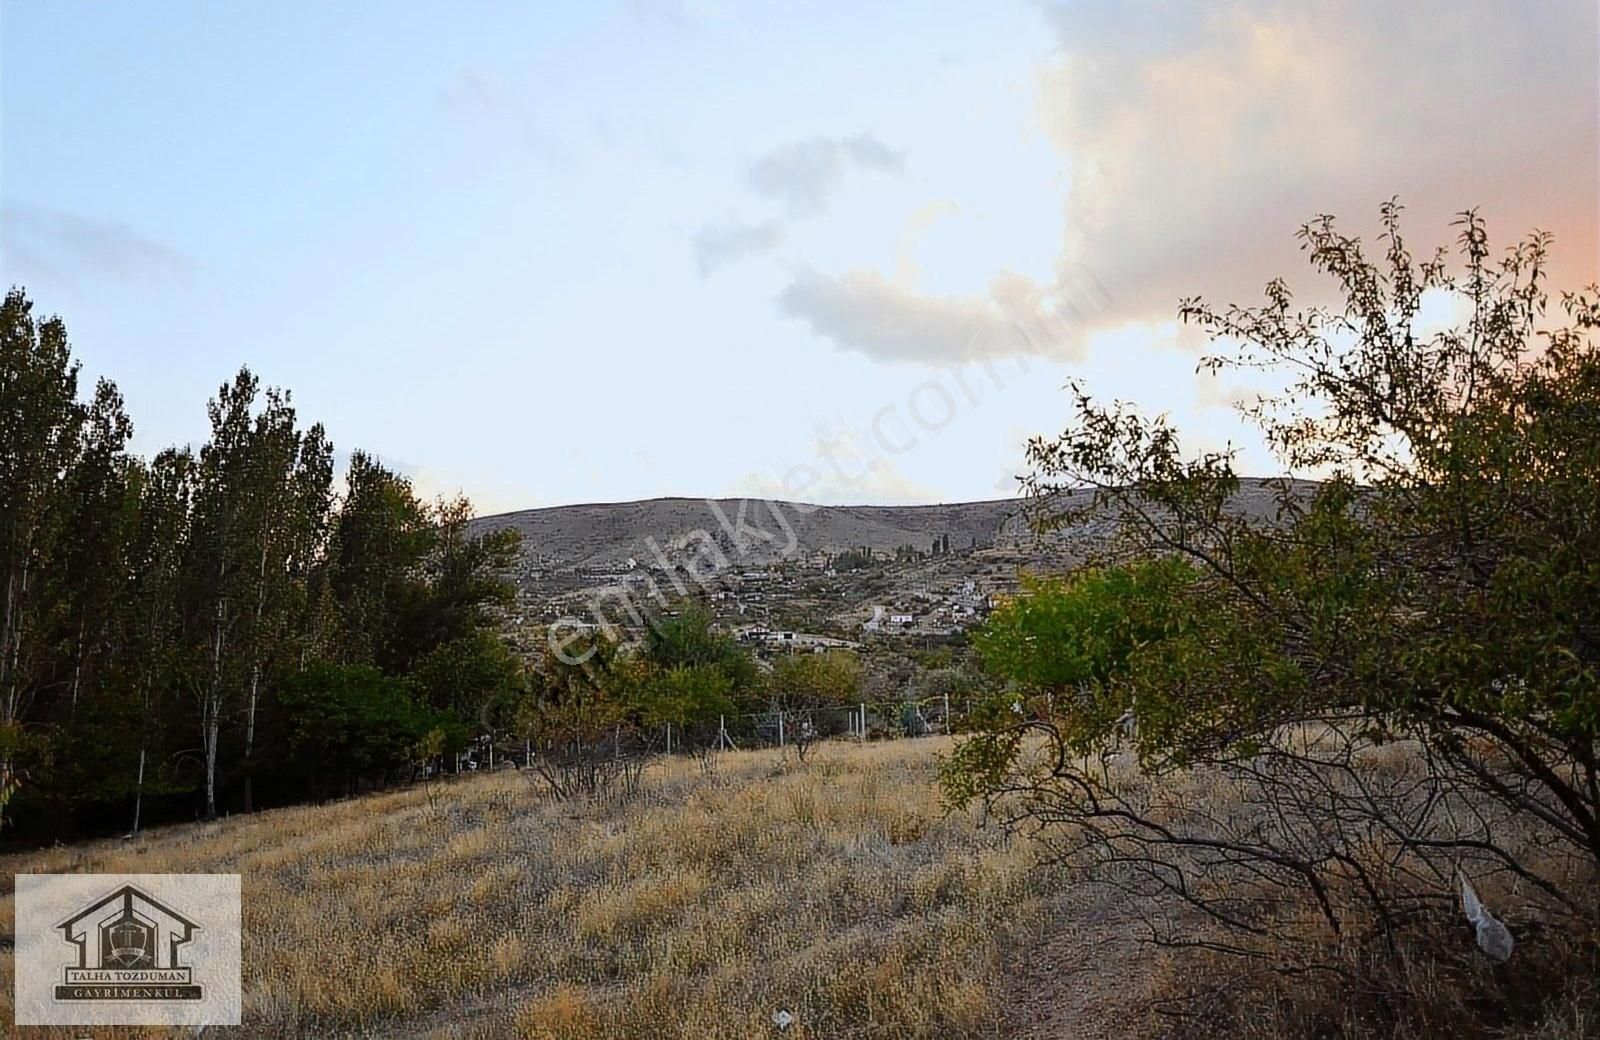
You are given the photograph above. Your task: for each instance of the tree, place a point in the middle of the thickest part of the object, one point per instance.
(290, 475)
(154, 632)
(690, 639)
(1433, 594)
(218, 560)
(351, 721)
(102, 507)
(474, 679)
(40, 420)
(1069, 636)
(260, 490)
(689, 697)
(582, 718)
(461, 581)
(803, 687)
(380, 538)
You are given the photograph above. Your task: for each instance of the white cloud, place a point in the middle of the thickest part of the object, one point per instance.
(866, 312)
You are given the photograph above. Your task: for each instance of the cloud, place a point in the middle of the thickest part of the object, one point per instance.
(805, 174)
(1199, 137)
(1196, 139)
(717, 245)
(865, 312)
(66, 246)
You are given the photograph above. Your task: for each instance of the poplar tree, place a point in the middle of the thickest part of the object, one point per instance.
(40, 420)
(101, 508)
(219, 565)
(155, 560)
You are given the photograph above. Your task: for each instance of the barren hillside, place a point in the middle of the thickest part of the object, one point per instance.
(610, 533)
(605, 534)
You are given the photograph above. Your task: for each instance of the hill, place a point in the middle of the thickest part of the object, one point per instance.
(599, 535)
(572, 554)
(609, 534)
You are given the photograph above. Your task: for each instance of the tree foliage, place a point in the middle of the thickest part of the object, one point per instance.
(1430, 597)
(174, 630)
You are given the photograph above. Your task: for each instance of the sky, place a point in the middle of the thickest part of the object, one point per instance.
(835, 252)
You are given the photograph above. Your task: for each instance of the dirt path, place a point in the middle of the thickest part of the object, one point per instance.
(1086, 978)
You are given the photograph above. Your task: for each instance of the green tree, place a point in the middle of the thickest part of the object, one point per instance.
(91, 571)
(40, 424)
(254, 492)
(462, 582)
(807, 682)
(690, 698)
(221, 573)
(474, 679)
(1066, 638)
(349, 721)
(801, 688)
(290, 475)
(580, 717)
(151, 612)
(380, 537)
(689, 638)
(1436, 589)
(219, 561)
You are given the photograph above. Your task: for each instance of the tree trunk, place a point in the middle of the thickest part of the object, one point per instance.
(77, 666)
(138, 792)
(211, 712)
(211, 762)
(255, 681)
(10, 678)
(250, 740)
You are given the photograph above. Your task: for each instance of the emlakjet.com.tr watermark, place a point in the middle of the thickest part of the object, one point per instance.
(127, 949)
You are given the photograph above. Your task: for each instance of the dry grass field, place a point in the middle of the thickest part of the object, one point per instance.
(837, 890)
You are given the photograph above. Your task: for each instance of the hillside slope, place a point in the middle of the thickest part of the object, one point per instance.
(605, 534)
(601, 535)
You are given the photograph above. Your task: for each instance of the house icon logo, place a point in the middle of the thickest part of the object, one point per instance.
(129, 946)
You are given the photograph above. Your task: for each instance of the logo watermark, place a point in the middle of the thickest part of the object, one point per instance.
(127, 949)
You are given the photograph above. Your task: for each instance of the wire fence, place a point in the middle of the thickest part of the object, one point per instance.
(797, 728)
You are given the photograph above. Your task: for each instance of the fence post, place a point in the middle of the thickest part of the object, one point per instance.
(669, 738)
(780, 729)
(947, 730)
(863, 722)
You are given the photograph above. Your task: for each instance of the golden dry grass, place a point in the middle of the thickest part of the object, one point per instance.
(838, 890)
